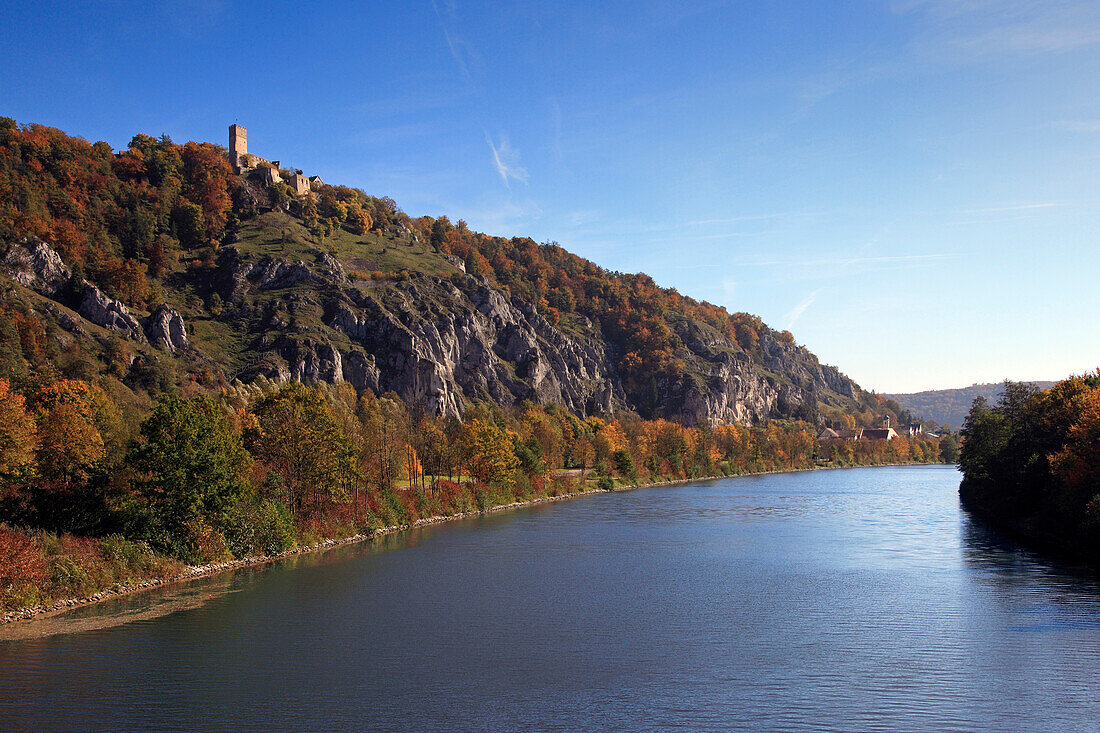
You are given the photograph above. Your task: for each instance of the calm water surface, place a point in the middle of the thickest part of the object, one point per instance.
(836, 600)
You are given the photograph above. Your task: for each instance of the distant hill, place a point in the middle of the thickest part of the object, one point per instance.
(949, 406)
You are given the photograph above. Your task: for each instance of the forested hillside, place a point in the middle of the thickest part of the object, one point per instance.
(949, 406)
(345, 286)
(195, 366)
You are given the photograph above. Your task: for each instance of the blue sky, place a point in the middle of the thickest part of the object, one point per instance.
(911, 187)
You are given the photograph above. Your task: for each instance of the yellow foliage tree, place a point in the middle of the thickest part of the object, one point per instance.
(69, 441)
(18, 436)
(488, 452)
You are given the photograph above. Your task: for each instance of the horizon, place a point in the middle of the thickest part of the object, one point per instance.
(860, 176)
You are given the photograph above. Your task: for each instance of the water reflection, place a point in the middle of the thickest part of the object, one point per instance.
(1045, 594)
(153, 603)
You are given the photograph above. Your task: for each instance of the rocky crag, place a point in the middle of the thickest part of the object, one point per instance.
(35, 265)
(440, 340)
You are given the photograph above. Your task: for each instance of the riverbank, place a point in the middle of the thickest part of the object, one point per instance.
(195, 572)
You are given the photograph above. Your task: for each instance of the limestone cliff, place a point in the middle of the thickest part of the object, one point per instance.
(440, 341)
(443, 342)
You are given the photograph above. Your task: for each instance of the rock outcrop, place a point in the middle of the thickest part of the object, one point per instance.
(110, 313)
(442, 347)
(443, 343)
(165, 329)
(34, 264)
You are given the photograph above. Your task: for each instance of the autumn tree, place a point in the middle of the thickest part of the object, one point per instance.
(1077, 463)
(358, 221)
(385, 435)
(69, 442)
(206, 183)
(488, 452)
(298, 438)
(17, 435)
(432, 447)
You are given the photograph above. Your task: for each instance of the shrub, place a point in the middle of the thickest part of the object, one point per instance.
(259, 527)
(23, 569)
(128, 559)
(67, 577)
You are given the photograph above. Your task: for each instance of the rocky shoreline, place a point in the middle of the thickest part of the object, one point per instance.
(194, 572)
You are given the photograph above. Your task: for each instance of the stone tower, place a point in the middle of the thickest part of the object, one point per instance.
(238, 146)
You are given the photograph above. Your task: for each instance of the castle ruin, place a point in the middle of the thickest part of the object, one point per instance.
(244, 162)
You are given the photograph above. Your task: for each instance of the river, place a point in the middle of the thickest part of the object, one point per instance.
(860, 599)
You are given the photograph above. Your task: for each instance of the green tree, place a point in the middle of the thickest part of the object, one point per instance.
(191, 469)
(624, 465)
(440, 227)
(986, 436)
(949, 449)
(190, 226)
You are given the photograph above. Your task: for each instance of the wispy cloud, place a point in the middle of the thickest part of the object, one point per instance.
(1013, 207)
(795, 313)
(1077, 125)
(848, 261)
(506, 161)
(705, 237)
(453, 41)
(983, 28)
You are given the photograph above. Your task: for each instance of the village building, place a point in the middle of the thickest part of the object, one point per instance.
(884, 433)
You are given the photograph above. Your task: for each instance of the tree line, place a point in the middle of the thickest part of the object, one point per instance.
(258, 469)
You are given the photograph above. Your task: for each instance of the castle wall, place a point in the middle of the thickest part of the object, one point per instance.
(298, 183)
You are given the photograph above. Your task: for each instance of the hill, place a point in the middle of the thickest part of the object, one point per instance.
(950, 406)
(163, 256)
(200, 362)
